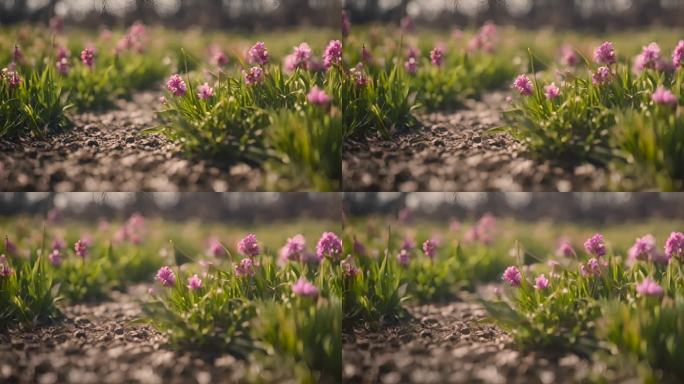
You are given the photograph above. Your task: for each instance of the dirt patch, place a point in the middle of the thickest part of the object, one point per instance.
(457, 152)
(108, 152)
(448, 343)
(100, 343)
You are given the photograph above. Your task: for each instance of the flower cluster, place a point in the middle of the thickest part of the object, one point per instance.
(176, 85)
(332, 54)
(248, 246)
(258, 54)
(329, 245)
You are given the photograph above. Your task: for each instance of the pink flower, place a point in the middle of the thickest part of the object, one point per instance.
(406, 24)
(329, 245)
(55, 257)
(643, 248)
(651, 53)
(246, 268)
(302, 53)
(304, 288)
(333, 53)
(88, 57)
(568, 56)
(523, 84)
(218, 57)
(248, 245)
(678, 55)
(293, 248)
(345, 23)
(359, 75)
(166, 276)
(513, 276)
(366, 56)
(648, 287)
(194, 282)
(592, 267)
(601, 76)
(551, 91)
(176, 85)
(215, 248)
(595, 245)
(63, 66)
(408, 244)
(58, 243)
(254, 76)
(81, 248)
(205, 91)
(10, 247)
(663, 96)
(565, 249)
(5, 269)
(430, 248)
(349, 270)
(404, 258)
(541, 282)
(605, 54)
(437, 56)
(318, 96)
(258, 54)
(413, 52)
(12, 77)
(411, 66)
(674, 246)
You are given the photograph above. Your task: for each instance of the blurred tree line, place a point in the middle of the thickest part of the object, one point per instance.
(230, 207)
(594, 14)
(590, 207)
(233, 14)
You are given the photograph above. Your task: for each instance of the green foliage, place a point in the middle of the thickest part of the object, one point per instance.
(37, 106)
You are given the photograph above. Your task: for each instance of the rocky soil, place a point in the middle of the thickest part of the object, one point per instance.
(108, 152)
(101, 343)
(448, 343)
(456, 151)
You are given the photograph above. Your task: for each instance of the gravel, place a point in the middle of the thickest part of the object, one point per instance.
(108, 151)
(456, 151)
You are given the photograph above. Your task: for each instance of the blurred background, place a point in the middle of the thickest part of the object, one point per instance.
(220, 14)
(245, 208)
(592, 208)
(592, 14)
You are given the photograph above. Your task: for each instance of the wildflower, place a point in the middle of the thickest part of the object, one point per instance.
(349, 270)
(605, 54)
(565, 249)
(551, 91)
(215, 248)
(218, 57)
(166, 276)
(568, 56)
(248, 245)
(411, 66)
(194, 282)
(366, 55)
(62, 53)
(430, 248)
(591, 268)
(293, 248)
(301, 55)
(408, 244)
(541, 282)
(663, 96)
(359, 248)
(523, 85)
(413, 52)
(595, 245)
(406, 24)
(5, 269)
(254, 76)
(678, 55)
(513, 276)
(404, 258)
(601, 76)
(63, 66)
(651, 53)
(176, 85)
(58, 243)
(648, 287)
(55, 257)
(333, 53)
(359, 76)
(304, 288)
(553, 264)
(56, 23)
(318, 96)
(329, 245)
(346, 24)
(643, 248)
(245, 268)
(81, 248)
(437, 56)
(12, 77)
(88, 57)
(205, 91)
(10, 247)
(674, 246)
(258, 54)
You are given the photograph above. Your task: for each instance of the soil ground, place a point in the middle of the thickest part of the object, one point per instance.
(107, 151)
(101, 343)
(456, 151)
(449, 343)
